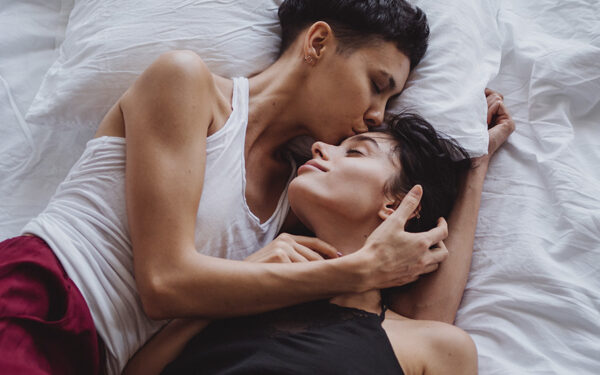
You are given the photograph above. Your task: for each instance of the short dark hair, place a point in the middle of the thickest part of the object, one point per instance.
(358, 22)
(428, 158)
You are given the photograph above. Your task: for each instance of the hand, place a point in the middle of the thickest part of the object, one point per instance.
(287, 248)
(500, 125)
(400, 257)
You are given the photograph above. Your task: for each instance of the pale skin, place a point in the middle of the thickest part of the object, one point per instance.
(421, 346)
(166, 117)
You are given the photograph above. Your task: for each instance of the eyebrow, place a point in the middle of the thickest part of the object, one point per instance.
(364, 138)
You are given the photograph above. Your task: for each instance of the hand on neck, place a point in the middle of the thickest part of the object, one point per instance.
(349, 240)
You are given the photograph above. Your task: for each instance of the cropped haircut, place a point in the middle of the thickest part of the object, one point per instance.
(357, 23)
(426, 158)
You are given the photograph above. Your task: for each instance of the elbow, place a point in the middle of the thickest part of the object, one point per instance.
(155, 298)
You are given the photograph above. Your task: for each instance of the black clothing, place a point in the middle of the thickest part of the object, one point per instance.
(316, 338)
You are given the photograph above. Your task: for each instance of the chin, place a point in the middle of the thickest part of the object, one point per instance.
(300, 203)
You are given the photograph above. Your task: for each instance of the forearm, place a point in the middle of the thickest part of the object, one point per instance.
(436, 296)
(208, 287)
(164, 347)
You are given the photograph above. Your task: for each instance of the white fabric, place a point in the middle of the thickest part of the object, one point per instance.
(463, 56)
(532, 302)
(85, 224)
(104, 57)
(30, 33)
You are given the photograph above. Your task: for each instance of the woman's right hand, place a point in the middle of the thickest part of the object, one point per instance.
(396, 257)
(288, 248)
(500, 125)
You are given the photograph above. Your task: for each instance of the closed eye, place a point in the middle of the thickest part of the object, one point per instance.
(353, 151)
(375, 87)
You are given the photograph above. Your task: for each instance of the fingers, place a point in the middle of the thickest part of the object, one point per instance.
(307, 254)
(316, 245)
(409, 204)
(437, 256)
(432, 267)
(489, 92)
(500, 133)
(495, 102)
(437, 234)
(492, 109)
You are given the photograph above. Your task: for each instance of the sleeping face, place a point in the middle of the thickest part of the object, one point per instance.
(346, 93)
(345, 184)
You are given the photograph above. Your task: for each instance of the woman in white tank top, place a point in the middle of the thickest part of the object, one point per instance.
(188, 167)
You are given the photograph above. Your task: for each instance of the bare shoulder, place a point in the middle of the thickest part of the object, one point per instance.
(431, 347)
(181, 68)
(177, 82)
(176, 86)
(181, 65)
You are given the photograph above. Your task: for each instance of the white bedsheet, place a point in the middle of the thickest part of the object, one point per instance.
(532, 302)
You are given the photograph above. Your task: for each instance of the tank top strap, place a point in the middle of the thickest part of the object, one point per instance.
(240, 95)
(383, 310)
(239, 104)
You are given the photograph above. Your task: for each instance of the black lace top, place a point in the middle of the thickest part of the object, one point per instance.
(315, 338)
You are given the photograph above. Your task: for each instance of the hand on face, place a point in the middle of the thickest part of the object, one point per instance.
(400, 257)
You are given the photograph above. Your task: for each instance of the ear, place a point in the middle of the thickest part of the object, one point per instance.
(389, 206)
(318, 38)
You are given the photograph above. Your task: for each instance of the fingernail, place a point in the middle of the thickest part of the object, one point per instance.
(416, 190)
(339, 254)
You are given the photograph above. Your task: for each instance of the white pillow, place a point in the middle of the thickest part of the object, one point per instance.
(447, 87)
(109, 43)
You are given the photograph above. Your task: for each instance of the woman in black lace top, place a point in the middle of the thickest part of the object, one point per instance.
(342, 195)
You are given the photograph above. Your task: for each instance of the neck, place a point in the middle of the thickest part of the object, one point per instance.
(274, 115)
(348, 239)
(348, 236)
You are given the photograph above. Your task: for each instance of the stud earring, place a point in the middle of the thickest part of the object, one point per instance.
(308, 59)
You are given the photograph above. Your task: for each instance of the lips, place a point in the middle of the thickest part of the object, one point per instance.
(313, 163)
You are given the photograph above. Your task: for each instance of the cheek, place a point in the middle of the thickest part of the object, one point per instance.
(359, 195)
(347, 93)
(353, 195)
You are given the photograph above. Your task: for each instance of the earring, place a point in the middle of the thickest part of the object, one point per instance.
(308, 59)
(418, 216)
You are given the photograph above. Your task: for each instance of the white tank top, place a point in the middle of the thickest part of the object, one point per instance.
(86, 226)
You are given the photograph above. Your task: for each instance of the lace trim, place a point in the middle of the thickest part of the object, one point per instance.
(306, 317)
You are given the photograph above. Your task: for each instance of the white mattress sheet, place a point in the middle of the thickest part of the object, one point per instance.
(532, 302)
(30, 33)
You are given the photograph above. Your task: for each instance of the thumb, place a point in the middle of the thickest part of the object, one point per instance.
(409, 204)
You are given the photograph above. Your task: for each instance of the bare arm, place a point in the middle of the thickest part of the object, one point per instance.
(168, 113)
(437, 296)
(170, 341)
(164, 347)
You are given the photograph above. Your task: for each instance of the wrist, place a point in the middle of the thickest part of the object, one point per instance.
(480, 163)
(357, 267)
(477, 173)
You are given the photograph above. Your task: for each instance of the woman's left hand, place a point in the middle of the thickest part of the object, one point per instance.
(288, 248)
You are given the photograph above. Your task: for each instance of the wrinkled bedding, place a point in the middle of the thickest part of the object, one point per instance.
(532, 302)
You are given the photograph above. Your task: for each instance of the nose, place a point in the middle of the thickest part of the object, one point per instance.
(374, 115)
(320, 150)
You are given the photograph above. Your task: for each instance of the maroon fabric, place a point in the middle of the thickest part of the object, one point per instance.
(45, 324)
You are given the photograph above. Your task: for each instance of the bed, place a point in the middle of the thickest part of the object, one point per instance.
(532, 302)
